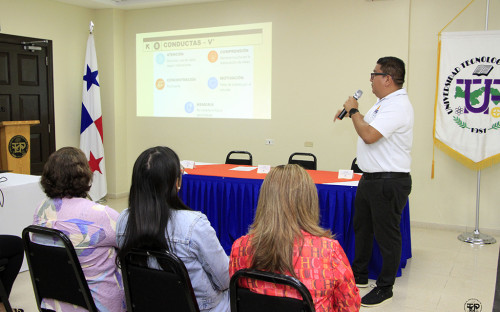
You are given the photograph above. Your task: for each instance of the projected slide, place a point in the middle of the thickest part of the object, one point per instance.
(222, 72)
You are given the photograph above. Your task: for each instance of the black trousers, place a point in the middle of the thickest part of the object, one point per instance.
(11, 247)
(378, 206)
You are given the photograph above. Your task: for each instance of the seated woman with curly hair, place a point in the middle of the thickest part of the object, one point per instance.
(91, 227)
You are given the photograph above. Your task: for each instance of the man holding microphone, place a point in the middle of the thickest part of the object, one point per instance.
(383, 153)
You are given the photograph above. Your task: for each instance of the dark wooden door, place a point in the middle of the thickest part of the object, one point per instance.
(26, 91)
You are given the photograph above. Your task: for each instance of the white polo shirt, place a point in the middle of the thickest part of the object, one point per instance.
(392, 116)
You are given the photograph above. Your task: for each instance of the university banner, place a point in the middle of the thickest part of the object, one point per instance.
(467, 108)
(91, 131)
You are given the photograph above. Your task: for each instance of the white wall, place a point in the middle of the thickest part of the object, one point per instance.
(48, 19)
(322, 52)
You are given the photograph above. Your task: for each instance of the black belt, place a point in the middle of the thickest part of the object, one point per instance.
(384, 175)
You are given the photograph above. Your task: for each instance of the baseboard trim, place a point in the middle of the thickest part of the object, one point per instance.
(454, 228)
(118, 195)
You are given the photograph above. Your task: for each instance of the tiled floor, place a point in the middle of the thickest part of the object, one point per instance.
(443, 274)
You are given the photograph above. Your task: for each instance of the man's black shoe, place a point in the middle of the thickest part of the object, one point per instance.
(361, 282)
(377, 296)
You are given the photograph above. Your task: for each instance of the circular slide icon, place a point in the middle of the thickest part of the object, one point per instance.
(160, 84)
(213, 56)
(213, 83)
(189, 107)
(160, 58)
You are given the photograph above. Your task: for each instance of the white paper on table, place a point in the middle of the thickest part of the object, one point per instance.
(346, 183)
(188, 164)
(263, 168)
(243, 168)
(200, 163)
(346, 174)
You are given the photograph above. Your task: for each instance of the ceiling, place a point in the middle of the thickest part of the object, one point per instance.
(131, 4)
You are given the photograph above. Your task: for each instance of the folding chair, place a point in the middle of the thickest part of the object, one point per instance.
(55, 270)
(156, 289)
(3, 293)
(244, 300)
(306, 164)
(239, 161)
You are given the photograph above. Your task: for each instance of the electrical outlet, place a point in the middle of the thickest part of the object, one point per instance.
(269, 141)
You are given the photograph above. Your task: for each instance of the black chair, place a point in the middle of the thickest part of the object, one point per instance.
(306, 164)
(354, 166)
(496, 300)
(239, 161)
(150, 289)
(244, 300)
(3, 293)
(55, 269)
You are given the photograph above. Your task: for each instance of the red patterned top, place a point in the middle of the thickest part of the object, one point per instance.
(322, 266)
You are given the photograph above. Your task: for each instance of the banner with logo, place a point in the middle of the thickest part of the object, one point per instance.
(91, 134)
(467, 108)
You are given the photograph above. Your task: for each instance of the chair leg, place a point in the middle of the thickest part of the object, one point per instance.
(5, 298)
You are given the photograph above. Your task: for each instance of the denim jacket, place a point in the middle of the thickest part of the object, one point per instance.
(194, 241)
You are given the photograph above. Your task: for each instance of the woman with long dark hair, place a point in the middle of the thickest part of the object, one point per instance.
(157, 219)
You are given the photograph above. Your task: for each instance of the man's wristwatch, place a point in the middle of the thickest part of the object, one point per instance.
(353, 111)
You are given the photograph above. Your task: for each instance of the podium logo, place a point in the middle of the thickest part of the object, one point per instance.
(18, 146)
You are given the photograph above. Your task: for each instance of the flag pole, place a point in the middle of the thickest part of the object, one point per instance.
(476, 237)
(91, 32)
(91, 127)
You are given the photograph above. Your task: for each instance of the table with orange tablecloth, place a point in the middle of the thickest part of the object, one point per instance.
(229, 199)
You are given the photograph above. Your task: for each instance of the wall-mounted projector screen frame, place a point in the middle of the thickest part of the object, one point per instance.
(217, 72)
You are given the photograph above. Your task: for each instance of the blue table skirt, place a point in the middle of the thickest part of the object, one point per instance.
(230, 203)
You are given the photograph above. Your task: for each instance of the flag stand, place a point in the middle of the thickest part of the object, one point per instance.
(476, 237)
(102, 201)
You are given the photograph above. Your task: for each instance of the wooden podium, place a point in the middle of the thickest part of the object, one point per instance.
(15, 152)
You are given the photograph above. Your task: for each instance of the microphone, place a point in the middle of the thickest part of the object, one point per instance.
(356, 96)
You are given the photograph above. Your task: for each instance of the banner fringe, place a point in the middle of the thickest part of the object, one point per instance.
(436, 101)
(485, 163)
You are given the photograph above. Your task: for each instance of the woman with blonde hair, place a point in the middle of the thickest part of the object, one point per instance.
(286, 238)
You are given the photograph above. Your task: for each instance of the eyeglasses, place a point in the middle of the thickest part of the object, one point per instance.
(372, 75)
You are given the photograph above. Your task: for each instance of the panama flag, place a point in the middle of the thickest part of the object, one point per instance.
(91, 134)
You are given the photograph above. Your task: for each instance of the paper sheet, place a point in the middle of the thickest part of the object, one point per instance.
(244, 168)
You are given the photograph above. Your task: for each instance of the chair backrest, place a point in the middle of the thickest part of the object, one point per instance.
(55, 269)
(244, 300)
(354, 166)
(152, 289)
(4, 298)
(238, 161)
(306, 164)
